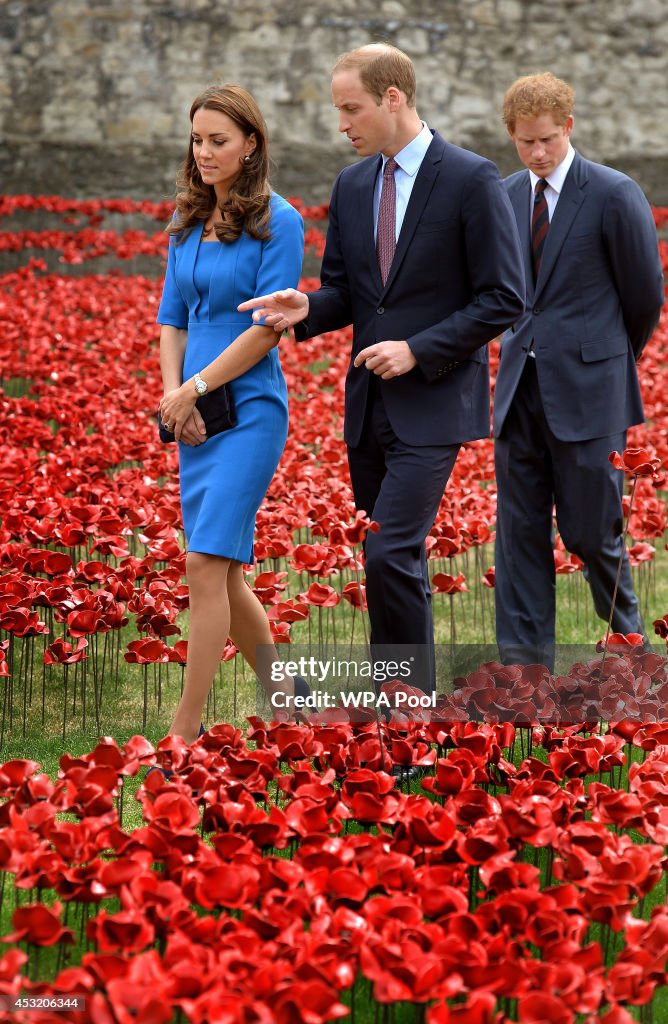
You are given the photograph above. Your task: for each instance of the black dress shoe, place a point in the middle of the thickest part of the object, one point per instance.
(407, 774)
(165, 772)
(302, 688)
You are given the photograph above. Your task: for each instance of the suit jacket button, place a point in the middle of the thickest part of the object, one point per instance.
(380, 310)
(536, 310)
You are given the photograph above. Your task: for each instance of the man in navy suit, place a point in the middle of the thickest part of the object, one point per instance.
(567, 387)
(428, 272)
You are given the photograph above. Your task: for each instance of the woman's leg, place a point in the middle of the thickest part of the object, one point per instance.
(209, 628)
(250, 631)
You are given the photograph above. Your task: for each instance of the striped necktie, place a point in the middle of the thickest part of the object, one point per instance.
(386, 234)
(540, 223)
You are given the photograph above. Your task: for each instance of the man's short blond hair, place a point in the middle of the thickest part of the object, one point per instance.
(534, 95)
(380, 66)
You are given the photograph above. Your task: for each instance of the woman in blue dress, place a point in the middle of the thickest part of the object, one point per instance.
(231, 237)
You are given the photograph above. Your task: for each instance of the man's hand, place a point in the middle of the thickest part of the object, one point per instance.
(387, 359)
(279, 310)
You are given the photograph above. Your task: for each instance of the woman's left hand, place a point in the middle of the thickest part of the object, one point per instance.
(176, 408)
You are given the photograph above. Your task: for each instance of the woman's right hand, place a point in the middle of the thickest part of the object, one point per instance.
(193, 432)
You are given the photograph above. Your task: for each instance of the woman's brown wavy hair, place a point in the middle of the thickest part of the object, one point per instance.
(247, 205)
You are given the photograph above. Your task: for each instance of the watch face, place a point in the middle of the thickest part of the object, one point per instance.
(200, 387)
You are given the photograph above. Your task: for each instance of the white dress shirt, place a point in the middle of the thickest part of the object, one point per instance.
(555, 182)
(409, 160)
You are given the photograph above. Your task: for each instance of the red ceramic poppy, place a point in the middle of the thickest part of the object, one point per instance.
(443, 583)
(39, 925)
(635, 462)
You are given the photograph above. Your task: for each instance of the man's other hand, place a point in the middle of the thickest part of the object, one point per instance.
(387, 359)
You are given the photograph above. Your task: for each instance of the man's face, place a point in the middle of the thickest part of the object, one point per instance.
(541, 144)
(369, 126)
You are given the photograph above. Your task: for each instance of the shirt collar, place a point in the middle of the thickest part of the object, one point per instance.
(557, 178)
(411, 156)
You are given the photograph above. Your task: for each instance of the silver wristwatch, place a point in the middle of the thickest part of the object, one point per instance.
(201, 386)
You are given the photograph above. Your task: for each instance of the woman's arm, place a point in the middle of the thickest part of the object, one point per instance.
(173, 320)
(178, 402)
(172, 351)
(245, 351)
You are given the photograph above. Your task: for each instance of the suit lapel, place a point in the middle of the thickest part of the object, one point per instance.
(570, 199)
(424, 182)
(366, 186)
(520, 200)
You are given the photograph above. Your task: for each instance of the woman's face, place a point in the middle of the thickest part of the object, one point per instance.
(219, 148)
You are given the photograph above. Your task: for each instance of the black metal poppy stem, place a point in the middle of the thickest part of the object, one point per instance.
(30, 666)
(60, 961)
(619, 572)
(83, 694)
(103, 670)
(145, 667)
(65, 678)
(43, 692)
(360, 597)
(117, 653)
(121, 787)
(96, 692)
(352, 633)
(24, 660)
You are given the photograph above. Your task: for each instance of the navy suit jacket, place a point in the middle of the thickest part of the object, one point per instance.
(593, 308)
(456, 282)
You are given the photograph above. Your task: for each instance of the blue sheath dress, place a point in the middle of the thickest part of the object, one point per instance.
(224, 480)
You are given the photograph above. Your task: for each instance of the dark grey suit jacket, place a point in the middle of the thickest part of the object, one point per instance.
(593, 308)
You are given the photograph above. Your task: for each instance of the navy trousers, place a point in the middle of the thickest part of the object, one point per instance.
(534, 472)
(400, 486)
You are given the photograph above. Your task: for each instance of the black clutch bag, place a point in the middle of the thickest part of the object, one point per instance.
(217, 410)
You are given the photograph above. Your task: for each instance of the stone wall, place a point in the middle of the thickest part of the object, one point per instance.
(94, 93)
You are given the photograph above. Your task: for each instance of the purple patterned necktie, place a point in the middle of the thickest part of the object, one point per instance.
(540, 223)
(386, 241)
